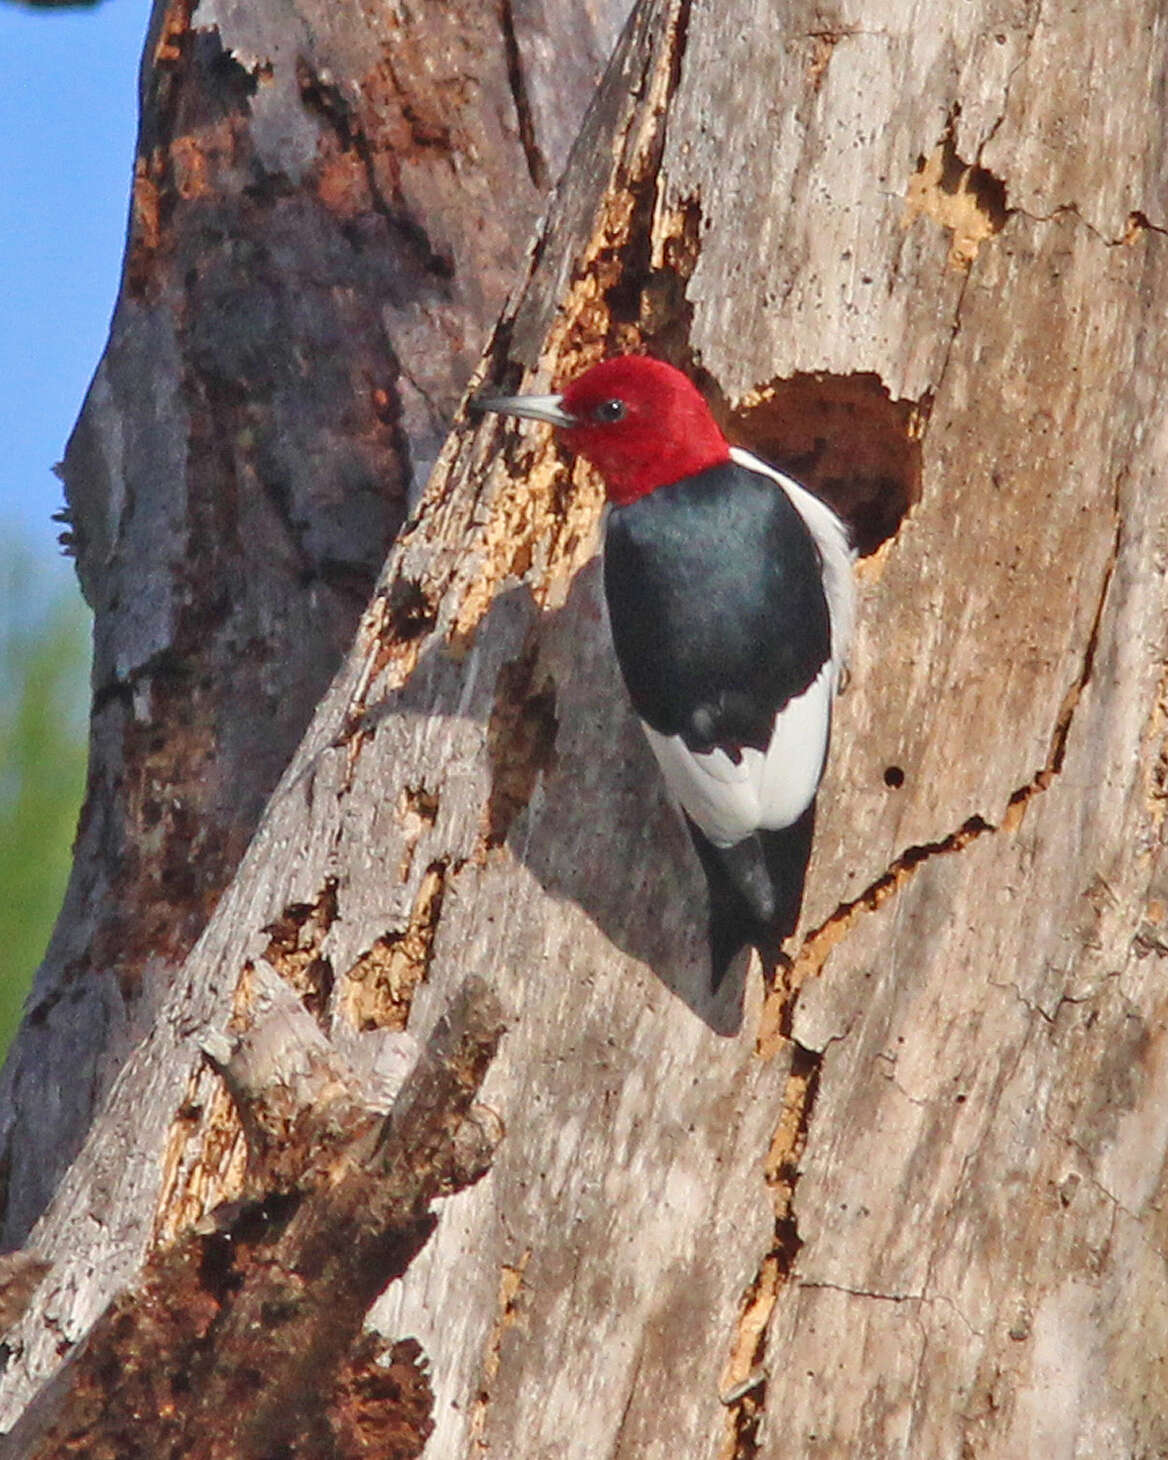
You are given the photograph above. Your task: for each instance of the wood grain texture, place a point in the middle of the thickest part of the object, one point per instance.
(908, 1202)
(243, 1338)
(330, 203)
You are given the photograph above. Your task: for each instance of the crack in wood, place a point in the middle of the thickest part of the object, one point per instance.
(1135, 225)
(807, 963)
(818, 1284)
(1033, 21)
(510, 1286)
(1138, 223)
(816, 946)
(775, 1034)
(533, 155)
(746, 1401)
(269, 1297)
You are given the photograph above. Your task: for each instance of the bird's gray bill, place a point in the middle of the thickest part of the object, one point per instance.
(547, 408)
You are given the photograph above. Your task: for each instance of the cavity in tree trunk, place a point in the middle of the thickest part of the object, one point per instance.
(909, 1200)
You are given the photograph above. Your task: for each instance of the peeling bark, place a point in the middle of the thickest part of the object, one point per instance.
(910, 1200)
(330, 203)
(243, 1338)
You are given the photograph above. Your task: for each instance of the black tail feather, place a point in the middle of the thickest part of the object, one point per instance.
(755, 889)
(787, 854)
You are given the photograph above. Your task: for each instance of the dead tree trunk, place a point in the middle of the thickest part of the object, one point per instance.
(330, 204)
(910, 1201)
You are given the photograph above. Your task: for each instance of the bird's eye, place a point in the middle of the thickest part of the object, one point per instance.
(609, 411)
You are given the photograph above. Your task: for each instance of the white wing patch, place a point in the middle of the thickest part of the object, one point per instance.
(835, 551)
(769, 790)
(772, 789)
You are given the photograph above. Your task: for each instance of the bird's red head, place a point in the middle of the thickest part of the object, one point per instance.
(640, 422)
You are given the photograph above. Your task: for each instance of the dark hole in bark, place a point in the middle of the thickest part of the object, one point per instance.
(845, 438)
(894, 777)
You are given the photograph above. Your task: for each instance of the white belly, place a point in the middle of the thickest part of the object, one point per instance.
(766, 790)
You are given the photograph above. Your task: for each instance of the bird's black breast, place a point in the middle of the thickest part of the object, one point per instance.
(715, 595)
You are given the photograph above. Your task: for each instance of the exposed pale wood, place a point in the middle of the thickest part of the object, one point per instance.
(911, 1201)
(330, 203)
(241, 1340)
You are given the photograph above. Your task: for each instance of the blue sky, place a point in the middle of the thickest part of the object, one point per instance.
(68, 118)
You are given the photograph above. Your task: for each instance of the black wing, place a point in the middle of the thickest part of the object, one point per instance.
(715, 595)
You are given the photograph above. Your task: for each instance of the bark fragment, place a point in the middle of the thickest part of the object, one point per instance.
(330, 204)
(264, 1302)
(969, 1216)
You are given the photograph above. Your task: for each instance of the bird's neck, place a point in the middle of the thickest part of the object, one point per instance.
(630, 475)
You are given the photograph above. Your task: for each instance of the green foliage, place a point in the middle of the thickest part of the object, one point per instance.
(44, 652)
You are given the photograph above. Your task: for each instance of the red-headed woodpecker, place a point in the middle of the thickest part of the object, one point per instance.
(731, 601)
